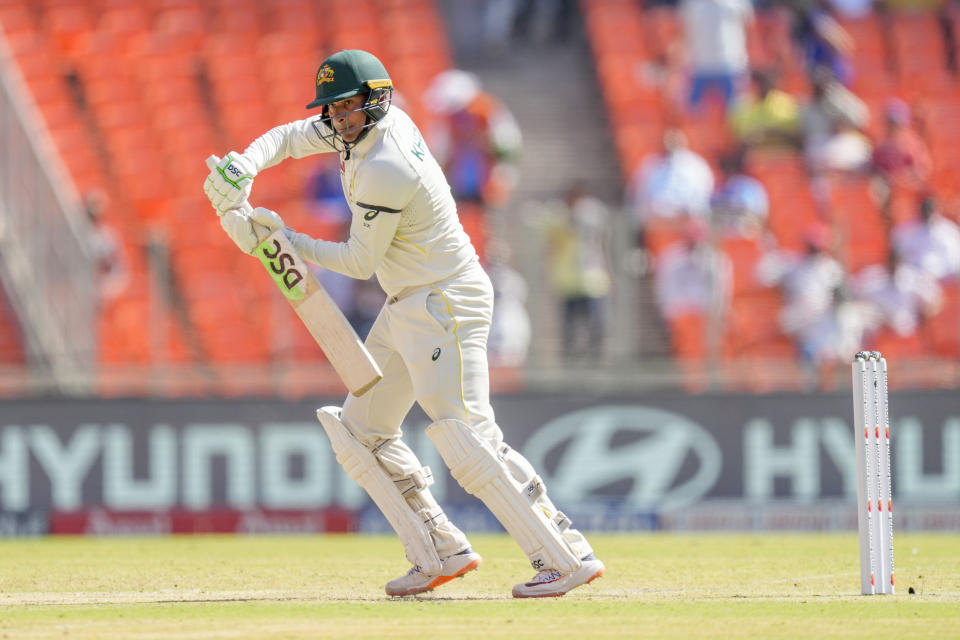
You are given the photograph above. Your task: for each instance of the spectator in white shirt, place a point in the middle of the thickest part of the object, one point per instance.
(740, 205)
(931, 243)
(833, 122)
(510, 330)
(901, 294)
(674, 184)
(693, 278)
(716, 41)
(816, 311)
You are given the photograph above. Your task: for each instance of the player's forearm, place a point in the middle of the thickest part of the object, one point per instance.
(348, 258)
(291, 140)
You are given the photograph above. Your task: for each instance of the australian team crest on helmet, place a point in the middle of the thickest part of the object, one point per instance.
(325, 74)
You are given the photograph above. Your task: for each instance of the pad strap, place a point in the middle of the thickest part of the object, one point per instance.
(478, 469)
(362, 466)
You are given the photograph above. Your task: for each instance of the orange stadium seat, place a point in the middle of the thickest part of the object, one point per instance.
(69, 25)
(944, 328)
(300, 28)
(123, 331)
(80, 156)
(11, 342)
(660, 233)
(857, 218)
(17, 20)
(688, 336)
(904, 55)
(775, 25)
(622, 19)
(237, 22)
(744, 253)
(184, 28)
(792, 207)
(636, 141)
(137, 65)
(753, 324)
(917, 44)
(662, 30)
(894, 346)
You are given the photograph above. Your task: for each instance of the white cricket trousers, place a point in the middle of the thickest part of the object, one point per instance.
(431, 345)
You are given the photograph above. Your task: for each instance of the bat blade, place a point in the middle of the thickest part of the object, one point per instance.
(316, 309)
(318, 312)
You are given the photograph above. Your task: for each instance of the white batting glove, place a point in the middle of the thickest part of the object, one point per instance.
(230, 180)
(236, 224)
(270, 219)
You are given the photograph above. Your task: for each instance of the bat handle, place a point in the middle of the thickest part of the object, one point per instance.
(261, 231)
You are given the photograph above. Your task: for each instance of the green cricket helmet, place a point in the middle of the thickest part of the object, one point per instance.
(348, 73)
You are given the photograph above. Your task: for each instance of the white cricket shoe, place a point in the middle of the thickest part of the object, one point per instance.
(417, 582)
(552, 583)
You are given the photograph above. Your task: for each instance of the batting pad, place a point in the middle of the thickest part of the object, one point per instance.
(362, 466)
(475, 465)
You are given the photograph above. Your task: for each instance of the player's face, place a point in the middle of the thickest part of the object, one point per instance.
(348, 117)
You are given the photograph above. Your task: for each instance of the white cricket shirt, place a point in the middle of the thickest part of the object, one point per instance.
(404, 228)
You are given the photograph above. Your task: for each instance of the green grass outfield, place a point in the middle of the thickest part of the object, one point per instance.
(656, 586)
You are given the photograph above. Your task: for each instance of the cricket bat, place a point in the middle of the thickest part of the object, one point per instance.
(317, 310)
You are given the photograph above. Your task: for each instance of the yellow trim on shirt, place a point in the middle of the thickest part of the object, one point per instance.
(456, 333)
(411, 243)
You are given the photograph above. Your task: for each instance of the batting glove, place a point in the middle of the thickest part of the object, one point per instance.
(236, 224)
(229, 183)
(270, 219)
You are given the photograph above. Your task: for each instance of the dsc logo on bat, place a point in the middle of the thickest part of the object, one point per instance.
(284, 267)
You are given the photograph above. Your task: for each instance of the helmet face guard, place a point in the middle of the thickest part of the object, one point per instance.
(375, 107)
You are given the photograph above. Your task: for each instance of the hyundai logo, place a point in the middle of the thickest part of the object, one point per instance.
(665, 460)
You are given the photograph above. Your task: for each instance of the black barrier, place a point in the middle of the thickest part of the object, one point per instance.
(617, 462)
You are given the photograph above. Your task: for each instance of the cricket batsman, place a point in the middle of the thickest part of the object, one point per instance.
(430, 337)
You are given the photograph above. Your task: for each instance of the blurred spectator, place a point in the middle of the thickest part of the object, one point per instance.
(480, 27)
(852, 8)
(691, 277)
(577, 232)
(510, 330)
(360, 300)
(740, 205)
(902, 294)
(106, 249)
(931, 243)
(541, 20)
(833, 124)
(325, 191)
(716, 42)
(767, 116)
(478, 141)
(673, 184)
(910, 5)
(496, 22)
(817, 311)
(822, 39)
(901, 160)
(366, 299)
